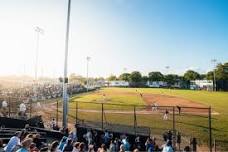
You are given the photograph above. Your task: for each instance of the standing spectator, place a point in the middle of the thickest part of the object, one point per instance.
(13, 142)
(165, 117)
(25, 145)
(193, 142)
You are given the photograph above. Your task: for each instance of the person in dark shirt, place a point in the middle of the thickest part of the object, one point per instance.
(69, 146)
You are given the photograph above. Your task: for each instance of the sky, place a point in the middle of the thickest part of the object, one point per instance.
(119, 36)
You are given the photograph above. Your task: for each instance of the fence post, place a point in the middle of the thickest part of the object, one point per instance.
(76, 112)
(210, 131)
(57, 114)
(30, 109)
(174, 129)
(135, 121)
(9, 107)
(215, 146)
(102, 117)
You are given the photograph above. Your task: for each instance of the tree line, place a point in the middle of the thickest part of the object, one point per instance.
(135, 77)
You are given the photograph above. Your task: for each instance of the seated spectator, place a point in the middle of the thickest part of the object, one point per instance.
(149, 145)
(33, 148)
(1, 146)
(37, 141)
(13, 142)
(68, 146)
(112, 146)
(102, 148)
(81, 147)
(122, 148)
(25, 145)
(54, 146)
(126, 144)
(91, 148)
(186, 149)
(76, 147)
(62, 143)
(168, 147)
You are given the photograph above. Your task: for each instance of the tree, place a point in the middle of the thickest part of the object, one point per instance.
(112, 78)
(125, 77)
(203, 76)
(191, 75)
(155, 76)
(210, 75)
(135, 77)
(221, 72)
(145, 79)
(171, 79)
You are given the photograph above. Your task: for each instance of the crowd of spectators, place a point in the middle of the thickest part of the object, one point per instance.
(89, 141)
(40, 91)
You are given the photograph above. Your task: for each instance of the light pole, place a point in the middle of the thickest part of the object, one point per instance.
(65, 96)
(167, 69)
(87, 72)
(214, 79)
(39, 31)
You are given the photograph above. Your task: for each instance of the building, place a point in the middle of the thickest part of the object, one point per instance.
(117, 83)
(201, 85)
(156, 84)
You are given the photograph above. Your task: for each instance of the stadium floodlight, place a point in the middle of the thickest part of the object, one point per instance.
(87, 72)
(65, 96)
(39, 32)
(214, 61)
(167, 69)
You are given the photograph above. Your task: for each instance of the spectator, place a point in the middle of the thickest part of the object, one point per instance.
(81, 147)
(13, 142)
(25, 145)
(103, 148)
(186, 149)
(168, 147)
(149, 145)
(122, 148)
(91, 148)
(68, 146)
(112, 146)
(126, 144)
(76, 147)
(62, 143)
(37, 141)
(54, 146)
(1, 145)
(33, 148)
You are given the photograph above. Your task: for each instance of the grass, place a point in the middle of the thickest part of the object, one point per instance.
(190, 125)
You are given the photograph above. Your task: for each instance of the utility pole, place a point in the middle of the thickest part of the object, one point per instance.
(65, 81)
(214, 78)
(87, 73)
(39, 31)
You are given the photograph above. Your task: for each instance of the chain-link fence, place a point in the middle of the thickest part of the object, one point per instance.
(188, 125)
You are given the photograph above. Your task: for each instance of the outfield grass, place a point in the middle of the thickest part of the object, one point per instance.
(189, 125)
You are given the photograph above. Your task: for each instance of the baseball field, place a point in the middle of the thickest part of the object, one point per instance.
(119, 104)
(191, 122)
